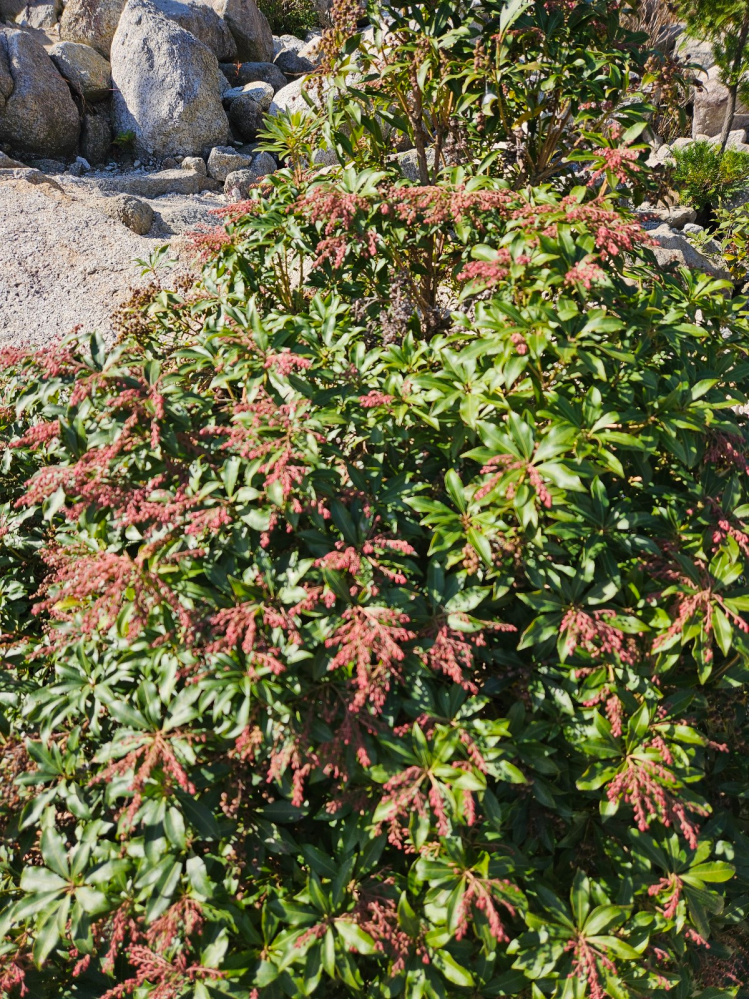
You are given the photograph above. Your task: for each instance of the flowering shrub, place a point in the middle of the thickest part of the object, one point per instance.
(374, 615)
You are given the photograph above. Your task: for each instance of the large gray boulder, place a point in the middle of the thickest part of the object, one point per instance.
(42, 14)
(710, 103)
(86, 71)
(37, 113)
(250, 28)
(167, 87)
(253, 72)
(691, 50)
(91, 22)
(201, 20)
(10, 9)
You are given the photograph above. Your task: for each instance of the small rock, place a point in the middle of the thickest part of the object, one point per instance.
(676, 217)
(736, 138)
(136, 163)
(409, 164)
(312, 50)
(196, 163)
(86, 71)
(96, 134)
(154, 185)
(169, 163)
(289, 98)
(6, 163)
(252, 72)
(663, 154)
(324, 157)
(224, 160)
(693, 228)
(239, 182)
(132, 212)
(287, 43)
(48, 165)
(30, 175)
(261, 93)
(291, 63)
(674, 248)
(246, 116)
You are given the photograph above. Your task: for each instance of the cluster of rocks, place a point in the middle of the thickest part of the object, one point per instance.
(163, 80)
(669, 229)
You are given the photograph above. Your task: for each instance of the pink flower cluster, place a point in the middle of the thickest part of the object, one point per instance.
(585, 273)
(592, 633)
(620, 161)
(650, 788)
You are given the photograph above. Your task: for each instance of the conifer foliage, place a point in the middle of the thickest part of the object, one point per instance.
(374, 612)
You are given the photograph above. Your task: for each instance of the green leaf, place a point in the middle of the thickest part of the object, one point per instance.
(455, 489)
(47, 938)
(354, 937)
(452, 971)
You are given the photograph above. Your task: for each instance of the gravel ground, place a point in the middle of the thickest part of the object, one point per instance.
(64, 263)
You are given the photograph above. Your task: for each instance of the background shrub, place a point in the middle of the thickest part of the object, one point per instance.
(291, 17)
(706, 176)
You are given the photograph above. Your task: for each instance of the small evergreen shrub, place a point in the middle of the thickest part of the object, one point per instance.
(290, 17)
(706, 176)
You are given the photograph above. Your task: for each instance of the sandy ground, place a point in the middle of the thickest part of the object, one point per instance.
(64, 263)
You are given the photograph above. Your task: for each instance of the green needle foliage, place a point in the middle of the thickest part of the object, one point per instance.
(705, 175)
(374, 611)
